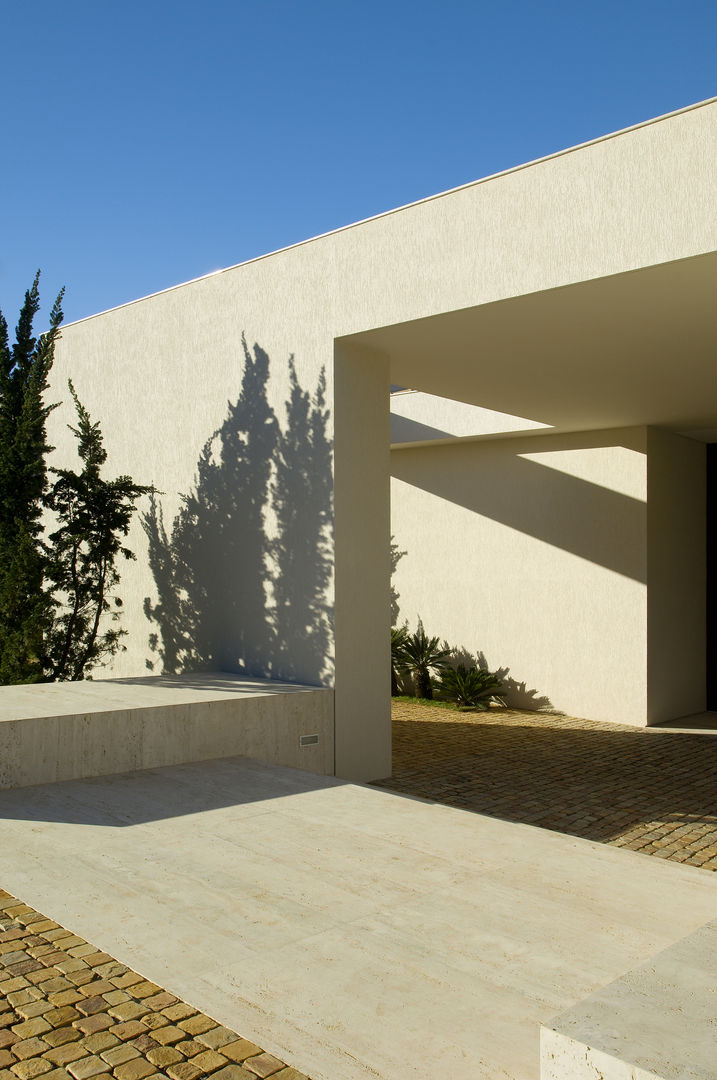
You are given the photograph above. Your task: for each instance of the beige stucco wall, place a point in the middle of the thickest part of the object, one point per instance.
(532, 551)
(361, 598)
(577, 562)
(417, 417)
(159, 373)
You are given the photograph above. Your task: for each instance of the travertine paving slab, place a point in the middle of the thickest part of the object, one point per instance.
(655, 1023)
(44, 967)
(349, 931)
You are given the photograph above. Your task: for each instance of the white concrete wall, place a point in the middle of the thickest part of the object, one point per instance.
(578, 562)
(420, 418)
(533, 552)
(361, 599)
(159, 373)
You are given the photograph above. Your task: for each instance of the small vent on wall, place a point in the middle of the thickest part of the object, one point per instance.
(308, 740)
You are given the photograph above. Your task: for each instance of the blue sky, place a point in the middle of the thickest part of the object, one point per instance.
(145, 144)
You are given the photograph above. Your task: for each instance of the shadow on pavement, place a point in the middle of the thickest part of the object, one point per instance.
(539, 770)
(135, 798)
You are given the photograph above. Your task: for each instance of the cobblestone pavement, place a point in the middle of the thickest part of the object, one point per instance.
(70, 1012)
(649, 790)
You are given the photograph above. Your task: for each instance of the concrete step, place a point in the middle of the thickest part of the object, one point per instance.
(69, 731)
(657, 1022)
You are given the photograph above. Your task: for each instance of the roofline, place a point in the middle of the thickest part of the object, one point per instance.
(407, 206)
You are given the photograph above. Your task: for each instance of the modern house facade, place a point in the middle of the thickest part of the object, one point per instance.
(546, 476)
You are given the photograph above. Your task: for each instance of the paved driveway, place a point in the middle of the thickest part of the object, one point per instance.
(71, 1012)
(653, 790)
(351, 932)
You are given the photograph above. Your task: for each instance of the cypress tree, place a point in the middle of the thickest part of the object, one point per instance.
(54, 592)
(25, 607)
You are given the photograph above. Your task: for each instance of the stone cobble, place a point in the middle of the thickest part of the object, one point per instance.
(646, 790)
(71, 1012)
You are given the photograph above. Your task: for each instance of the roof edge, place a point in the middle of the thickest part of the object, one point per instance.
(406, 206)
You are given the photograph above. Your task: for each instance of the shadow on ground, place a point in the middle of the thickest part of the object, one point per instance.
(588, 780)
(120, 800)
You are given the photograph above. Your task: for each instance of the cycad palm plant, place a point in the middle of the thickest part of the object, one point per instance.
(470, 687)
(424, 655)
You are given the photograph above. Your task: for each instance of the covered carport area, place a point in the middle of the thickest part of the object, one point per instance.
(627, 349)
(595, 486)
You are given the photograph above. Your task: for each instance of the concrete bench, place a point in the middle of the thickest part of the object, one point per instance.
(67, 731)
(657, 1022)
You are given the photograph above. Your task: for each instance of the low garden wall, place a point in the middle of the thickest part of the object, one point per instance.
(67, 731)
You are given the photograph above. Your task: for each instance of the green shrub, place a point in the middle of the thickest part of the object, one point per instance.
(422, 655)
(469, 687)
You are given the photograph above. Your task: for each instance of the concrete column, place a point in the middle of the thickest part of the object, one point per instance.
(362, 566)
(676, 576)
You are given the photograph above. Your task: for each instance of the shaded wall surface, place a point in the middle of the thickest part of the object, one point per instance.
(241, 574)
(711, 583)
(677, 582)
(575, 564)
(532, 551)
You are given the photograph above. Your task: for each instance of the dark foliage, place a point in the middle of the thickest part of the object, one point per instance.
(54, 591)
(25, 612)
(92, 515)
(469, 686)
(424, 655)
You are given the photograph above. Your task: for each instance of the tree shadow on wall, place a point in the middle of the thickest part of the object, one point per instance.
(229, 596)
(395, 555)
(301, 495)
(515, 694)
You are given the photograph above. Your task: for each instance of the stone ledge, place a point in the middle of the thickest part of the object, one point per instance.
(657, 1022)
(69, 731)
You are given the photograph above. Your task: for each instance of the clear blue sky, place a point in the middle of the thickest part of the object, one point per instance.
(145, 144)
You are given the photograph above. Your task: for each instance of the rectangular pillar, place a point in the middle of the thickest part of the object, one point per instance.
(676, 576)
(362, 565)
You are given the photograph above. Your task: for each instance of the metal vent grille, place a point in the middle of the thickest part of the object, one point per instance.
(308, 740)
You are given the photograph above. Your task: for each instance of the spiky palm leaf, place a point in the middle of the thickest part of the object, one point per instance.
(424, 655)
(470, 687)
(399, 662)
